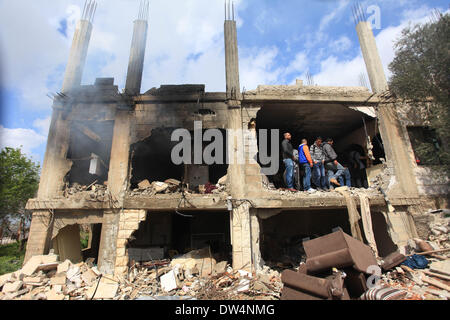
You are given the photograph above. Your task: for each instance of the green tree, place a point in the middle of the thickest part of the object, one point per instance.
(421, 75)
(19, 181)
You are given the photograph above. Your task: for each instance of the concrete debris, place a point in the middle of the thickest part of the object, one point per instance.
(432, 282)
(12, 286)
(397, 281)
(64, 281)
(223, 181)
(184, 282)
(144, 185)
(370, 192)
(169, 281)
(173, 186)
(94, 193)
(36, 261)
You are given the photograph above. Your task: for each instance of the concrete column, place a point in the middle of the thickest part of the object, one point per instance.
(56, 165)
(232, 60)
(54, 169)
(39, 238)
(371, 57)
(117, 185)
(120, 154)
(245, 239)
(137, 55)
(396, 147)
(77, 57)
(236, 168)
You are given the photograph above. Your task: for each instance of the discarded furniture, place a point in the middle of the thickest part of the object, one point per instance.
(299, 286)
(315, 279)
(392, 260)
(338, 250)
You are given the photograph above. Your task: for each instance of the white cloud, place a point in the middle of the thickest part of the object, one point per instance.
(342, 44)
(347, 72)
(257, 67)
(334, 14)
(26, 139)
(178, 29)
(42, 125)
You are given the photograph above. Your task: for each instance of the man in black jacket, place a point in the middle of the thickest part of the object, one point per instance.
(287, 152)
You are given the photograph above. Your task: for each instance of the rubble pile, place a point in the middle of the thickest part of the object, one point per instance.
(45, 278)
(190, 285)
(145, 188)
(197, 275)
(301, 194)
(340, 267)
(193, 276)
(434, 226)
(172, 186)
(94, 192)
(432, 280)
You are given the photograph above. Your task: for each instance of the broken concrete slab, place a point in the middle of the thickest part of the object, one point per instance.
(58, 279)
(48, 266)
(169, 281)
(64, 267)
(106, 289)
(159, 186)
(88, 277)
(35, 262)
(173, 182)
(33, 281)
(12, 286)
(54, 295)
(6, 278)
(145, 184)
(200, 259)
(442, 267)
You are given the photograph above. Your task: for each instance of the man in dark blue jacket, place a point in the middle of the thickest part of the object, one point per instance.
(288, 159)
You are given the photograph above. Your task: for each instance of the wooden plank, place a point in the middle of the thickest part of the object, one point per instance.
(88, 132)
(435, 283)
(437, 275)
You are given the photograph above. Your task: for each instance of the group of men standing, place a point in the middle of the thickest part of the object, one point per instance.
(319, 163)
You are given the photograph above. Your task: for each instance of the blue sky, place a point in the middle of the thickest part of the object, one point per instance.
(279, 41)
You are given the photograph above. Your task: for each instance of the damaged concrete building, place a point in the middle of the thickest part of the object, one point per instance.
(103, 144)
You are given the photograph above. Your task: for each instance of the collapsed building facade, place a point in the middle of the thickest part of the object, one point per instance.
(102, 144)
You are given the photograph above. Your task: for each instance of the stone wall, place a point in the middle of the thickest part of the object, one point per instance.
(128, 223)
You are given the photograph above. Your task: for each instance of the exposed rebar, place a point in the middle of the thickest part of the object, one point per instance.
(90, 7)
(144, 10)
(358, 13)
(233, 10)
(229, 10)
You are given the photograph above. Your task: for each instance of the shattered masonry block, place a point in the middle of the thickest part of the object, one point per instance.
(144, 184)
(12, 287)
